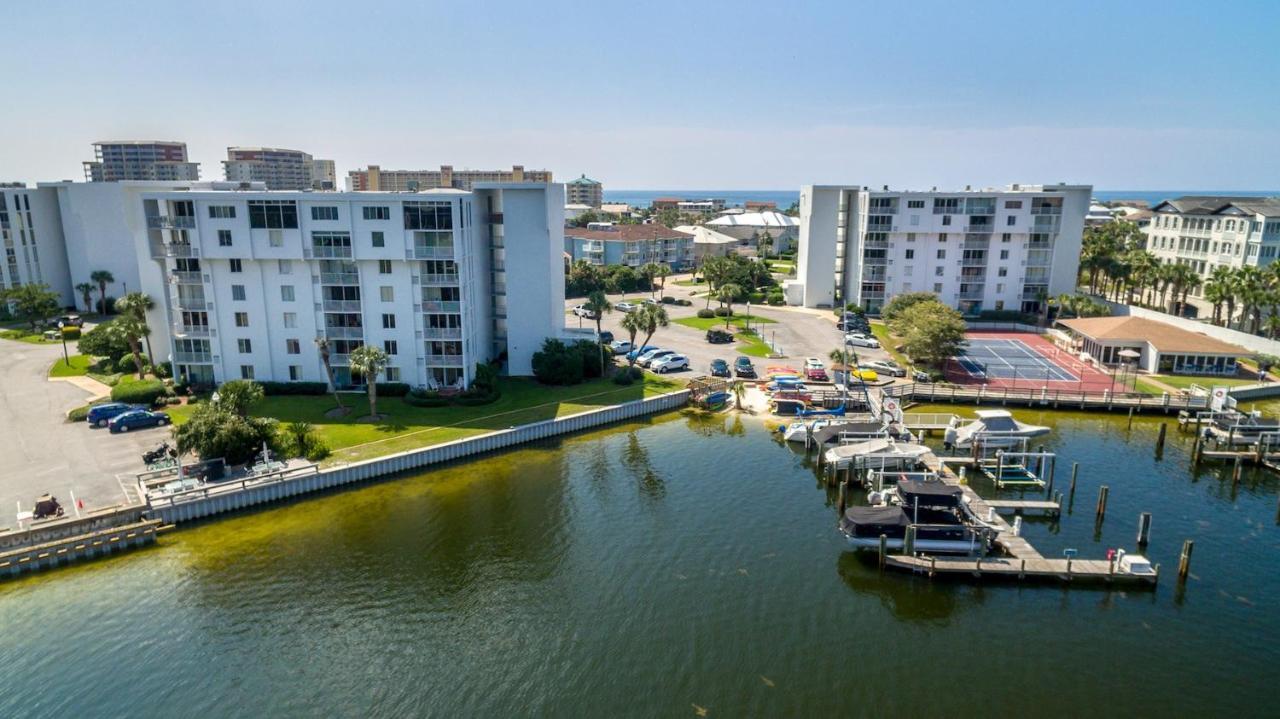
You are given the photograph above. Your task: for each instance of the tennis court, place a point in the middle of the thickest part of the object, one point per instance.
(1021, 360)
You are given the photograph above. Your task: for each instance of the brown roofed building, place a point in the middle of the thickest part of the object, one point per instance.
(1162, 347)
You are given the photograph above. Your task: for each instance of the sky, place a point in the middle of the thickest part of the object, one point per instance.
(655, 95)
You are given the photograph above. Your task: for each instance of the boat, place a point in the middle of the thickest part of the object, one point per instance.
(880, 453)
(861, 426)
(1232, 427)
(992, 428)
(937, 532)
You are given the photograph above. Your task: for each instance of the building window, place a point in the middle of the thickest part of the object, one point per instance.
(324, 213)
(372, 212)
(393, 374)
(911, 237)
(284, 267)
(1002, 272)
(1011, 220)
(290, 320)
(222, 212)
(292, 347)
(428, 216)
(390, 347)
(1005, 237)
(946, 219)
(224, 238)
(915, 220)
(295, 373)
(384, 267)
(388, 322)
(378, 240)
(387, 293)
(999, 287)
(237, 293)
(942, 237)
(915, 204)
(937, 288)
(235, 265)
(244, 345)
(908, 271)
(937, 271)
(273, 214)
(942, 253)
(242, 319)
(911, 254)
(246, 371)
(1004, 254)
(286, 293)
(1013, 204)
(275, 238)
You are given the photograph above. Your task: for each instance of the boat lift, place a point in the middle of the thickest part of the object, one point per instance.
(1019, 470)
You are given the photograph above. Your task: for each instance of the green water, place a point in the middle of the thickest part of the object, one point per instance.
(643, 570)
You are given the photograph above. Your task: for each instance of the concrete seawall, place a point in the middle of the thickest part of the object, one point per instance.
(216, 499)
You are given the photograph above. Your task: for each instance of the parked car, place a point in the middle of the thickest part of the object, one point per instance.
(742, 367)
(68, 320)
(101, 414)
(860, 340)
(583, 312)
(620, 347)
(649, 301)
(626, 306)
(815, 370)
(720, 368)
(919, 376)
(636, 352)
(893, 369)
(719, 337)
(855, 325)
(137, 419)
(669, 363)
(647, 358)
(606, 337)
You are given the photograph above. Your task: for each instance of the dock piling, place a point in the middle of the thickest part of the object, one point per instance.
(1164, 427)
(1235, 471)
(1130, 418)
(842, 500)
(1071, 494)
(1101, 512)
(909, 544)
(1184, 560)
(1144, 528)
(884, 545)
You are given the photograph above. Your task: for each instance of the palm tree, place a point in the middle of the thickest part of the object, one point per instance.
(648, 318)
(103, 278)
(664, 270)
(739, 391)
(369, 361)
(1218, 289)
(727, 294)
(1190, 281)
(322, 345)
(86, 289)
(598, 304)
(649, 271)
(767, 243)
(633, 323)
(133, 323)
(140, 305)
(1251, 289)
(1273, 326)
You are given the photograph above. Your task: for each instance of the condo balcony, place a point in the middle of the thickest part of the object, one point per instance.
(184, 277)
(340, 305)
(442, 333)
(173, 249)
(166, 222)
(444, 278)
(193, 331)
(344, 333)
(450, 306)
(328, 252)
(1047, 210)
(431, 252)
(339, 278)
(193, 357)
(444, 360)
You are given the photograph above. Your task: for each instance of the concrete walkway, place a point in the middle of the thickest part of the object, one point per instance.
(96, 389)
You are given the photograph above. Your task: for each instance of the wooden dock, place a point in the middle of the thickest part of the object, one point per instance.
(1025, 505)
(1019, 568)
(1055, 398)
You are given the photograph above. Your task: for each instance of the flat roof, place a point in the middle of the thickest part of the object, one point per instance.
(1161, 336)
(627, 233)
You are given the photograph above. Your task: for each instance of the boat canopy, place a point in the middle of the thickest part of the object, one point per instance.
(874, 521)
(832, 432)
(928, 493)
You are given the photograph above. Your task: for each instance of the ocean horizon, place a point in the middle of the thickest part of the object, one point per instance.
(784, 198)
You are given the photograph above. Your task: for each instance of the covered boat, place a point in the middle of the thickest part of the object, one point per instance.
(993, 428)
(944, 534)
(829, 429)
(880, 453)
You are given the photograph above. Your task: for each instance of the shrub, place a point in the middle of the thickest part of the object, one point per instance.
(723, 312)
(142, 392)
(706, 314)
(110, 305)
(318, 451)
(557, 363)
(392, 389)
(637, 373)
(685, 303)
(623, 378)
(419, 397)
(668, 300)
(294, 388)
(162, 370)
(238, 395)
(105, 341)
(126, 365)
(777, 300)
(755, 297)
(79, 414)
(214, 431)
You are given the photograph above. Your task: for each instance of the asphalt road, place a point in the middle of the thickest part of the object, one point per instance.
(797, 332)
(41, 452)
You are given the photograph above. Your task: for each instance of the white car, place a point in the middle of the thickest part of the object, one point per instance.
(626, 306)
(583, 312)
(860, 340)
(648, 358)
(813, 363)
(620, 347)
(883, 367)
(669, 363)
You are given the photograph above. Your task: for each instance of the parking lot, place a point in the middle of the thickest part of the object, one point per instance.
(797, 332)
(41, 452)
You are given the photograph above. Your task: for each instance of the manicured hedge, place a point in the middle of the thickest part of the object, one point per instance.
(126, 365)
(722, 312)
(425, 398)
(144, 392)
(393, 389)
(755, 297)
(289, 388)
(706, 314)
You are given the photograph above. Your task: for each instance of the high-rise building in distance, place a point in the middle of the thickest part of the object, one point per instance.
(278, 168)
(584, 191)
(158, 160)
(376, 179)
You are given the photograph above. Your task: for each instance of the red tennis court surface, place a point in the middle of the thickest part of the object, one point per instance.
(1023, 360)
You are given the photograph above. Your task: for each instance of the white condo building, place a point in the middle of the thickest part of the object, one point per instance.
(246, 279)
(977, 249)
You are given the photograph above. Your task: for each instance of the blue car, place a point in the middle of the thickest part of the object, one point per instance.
(101, 414)
(637, 352)
(138, 419)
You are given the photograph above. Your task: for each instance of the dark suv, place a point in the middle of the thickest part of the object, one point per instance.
(742, 367)
(719, 337)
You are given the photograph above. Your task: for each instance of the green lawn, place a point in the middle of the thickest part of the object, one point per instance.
(406, 427)
(23, 334)
(750, 344)
(78, 368)
(690, 283)
(706, 323)
(881, 333)
(1185, 382)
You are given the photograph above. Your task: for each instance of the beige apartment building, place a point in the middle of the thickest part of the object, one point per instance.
(375, 179)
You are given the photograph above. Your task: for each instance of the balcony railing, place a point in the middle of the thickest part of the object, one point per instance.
(980, 229)
(181, 330)
(173, 249)
(971, 295)
(341, 305)
(973, 262)
(948, 211)
(165, 222)
(1048, 210)
(441, 305)
(442, 333)
(184, 277)
(344, 333)
(440, 279)
(193, 357)
(325, 252)
(339, 359)
(431, 252)
(192, 304)
(876, 244)
(339, 278)
(882, 211)
(444, 360)
(980, 210)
